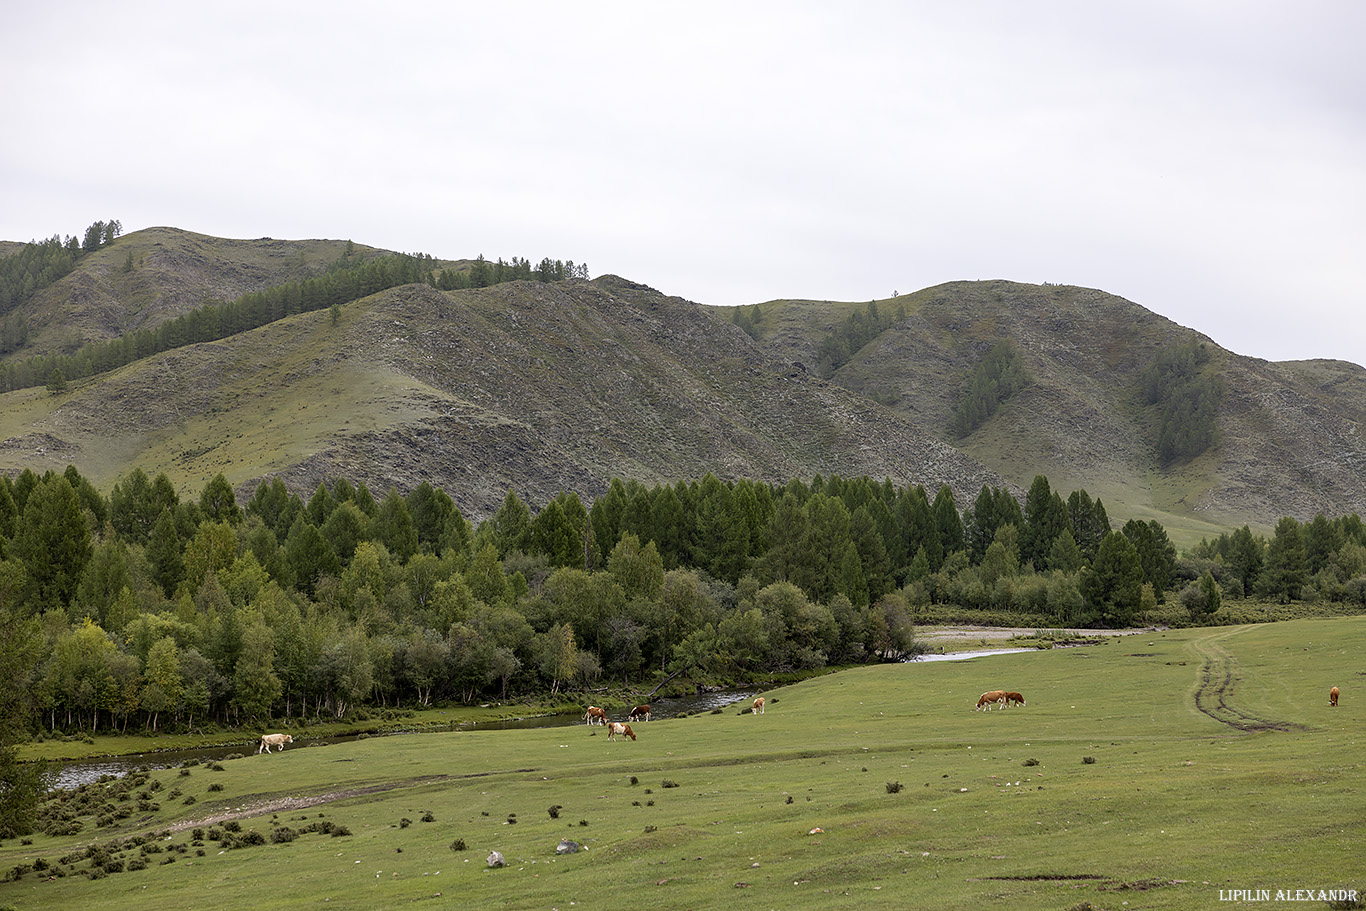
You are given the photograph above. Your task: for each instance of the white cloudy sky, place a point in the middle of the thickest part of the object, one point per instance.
(1204, 159)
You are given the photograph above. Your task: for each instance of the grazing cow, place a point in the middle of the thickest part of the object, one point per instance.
(1013, 698)
(758, 708)
(1333, 696)
(595, 715)
(639, 713)
(616, 728)
(993, 697)
(273, 740)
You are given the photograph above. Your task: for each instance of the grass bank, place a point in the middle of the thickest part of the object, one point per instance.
(83, 746)
(1149, 772)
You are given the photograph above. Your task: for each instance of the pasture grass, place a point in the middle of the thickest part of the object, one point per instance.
(55, 747)
(794, 808)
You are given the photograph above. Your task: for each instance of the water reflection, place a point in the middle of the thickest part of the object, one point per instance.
(961, 656)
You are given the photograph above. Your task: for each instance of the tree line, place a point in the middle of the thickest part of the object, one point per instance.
(345, 280)
(40, 263)
(999, 375)
(1187, 399)
(143, 610)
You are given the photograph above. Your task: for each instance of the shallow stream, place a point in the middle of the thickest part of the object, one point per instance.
(78, 772)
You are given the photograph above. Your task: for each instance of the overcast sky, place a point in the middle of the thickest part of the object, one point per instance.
(1204, 159)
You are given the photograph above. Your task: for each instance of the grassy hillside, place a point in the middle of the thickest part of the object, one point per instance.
(173, 272)
(1288, 441)
(548, 387)
(1155, 770)
(525, 386)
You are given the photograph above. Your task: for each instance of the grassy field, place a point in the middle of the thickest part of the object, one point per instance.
(380, 722)
(1150, 771)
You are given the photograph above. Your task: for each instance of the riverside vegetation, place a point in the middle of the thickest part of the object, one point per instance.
(142, 612)
(1151, 771)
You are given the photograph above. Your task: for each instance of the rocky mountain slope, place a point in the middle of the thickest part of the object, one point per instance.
(548, 387)
(1289, 440)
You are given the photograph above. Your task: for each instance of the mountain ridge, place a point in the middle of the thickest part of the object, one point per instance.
(542, 387)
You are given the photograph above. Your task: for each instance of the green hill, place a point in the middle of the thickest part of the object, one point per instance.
(543, 387)
(1287, 439)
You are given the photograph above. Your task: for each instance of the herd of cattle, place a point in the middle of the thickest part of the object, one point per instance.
(1003, 698)
(615, 729)
(596, 714)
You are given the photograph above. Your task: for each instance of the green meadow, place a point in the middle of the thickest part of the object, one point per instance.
(1150, 771)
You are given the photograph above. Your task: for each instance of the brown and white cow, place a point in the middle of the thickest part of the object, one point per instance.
(616, 728)
(1013, 699)
(758, 708)
(639, 713)
(595, 715)
(1333, 696)
(273, 740)
(990, 698)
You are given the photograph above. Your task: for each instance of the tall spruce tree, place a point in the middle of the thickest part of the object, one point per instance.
(52, 540)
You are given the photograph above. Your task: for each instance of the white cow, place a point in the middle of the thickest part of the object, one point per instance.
(273, 740)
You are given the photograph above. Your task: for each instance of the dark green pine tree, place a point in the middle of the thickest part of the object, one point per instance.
(947, 521)
(165, 553)
(723, 534)
(511, 525)
(1287, 563)
(344, 529)
(872, 554)
(21, 783)
(669, 528)
(319, 506)
(1045, 517)
(393, 527)
(430, 508)
(916, 520)
(1156, 554)
(606, 515)
(1088, 521)
(218, 502)
(554, 536)
(271, 504)
(9, 512)
(994, 508)
(1113, 585)
(308, 555)
(52, 541)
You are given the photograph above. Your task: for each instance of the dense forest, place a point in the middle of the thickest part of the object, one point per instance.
(1187, 396)
(143, 610)
(999, 375)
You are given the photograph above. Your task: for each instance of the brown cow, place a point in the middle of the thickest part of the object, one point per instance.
(639, 713)
(616, 727)
(1013, 698)
(595, 715)
(990, 698)
(758, 708)
(1333, 696)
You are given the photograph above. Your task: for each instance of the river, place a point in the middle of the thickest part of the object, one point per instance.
(78, 772)
(74, 773)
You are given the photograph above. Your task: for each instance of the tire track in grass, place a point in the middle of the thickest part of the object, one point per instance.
(1218, 680)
